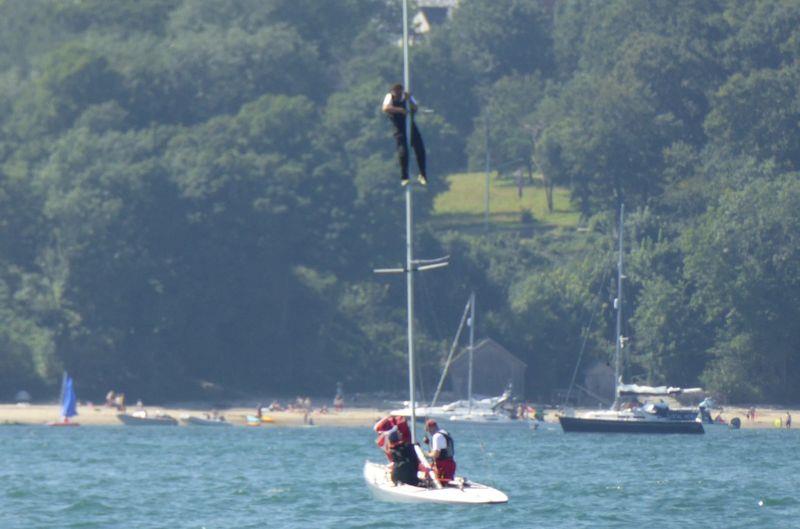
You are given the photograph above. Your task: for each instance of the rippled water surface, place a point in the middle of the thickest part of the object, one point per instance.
(195, 477)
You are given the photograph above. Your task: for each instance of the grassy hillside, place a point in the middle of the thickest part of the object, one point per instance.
(463, 205)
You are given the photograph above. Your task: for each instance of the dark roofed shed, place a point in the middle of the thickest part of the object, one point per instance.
(494, 368)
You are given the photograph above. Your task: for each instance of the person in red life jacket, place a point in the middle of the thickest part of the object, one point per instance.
(394, 106)
(389, 424)
(442, 452)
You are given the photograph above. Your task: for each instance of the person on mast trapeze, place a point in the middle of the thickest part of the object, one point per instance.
(394, 106)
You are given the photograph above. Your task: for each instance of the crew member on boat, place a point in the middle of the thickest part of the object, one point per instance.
(394, 106)
(442, 452)
(403, 457)
(386, 426)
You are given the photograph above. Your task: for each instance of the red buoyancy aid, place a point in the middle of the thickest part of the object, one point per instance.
(389, 422)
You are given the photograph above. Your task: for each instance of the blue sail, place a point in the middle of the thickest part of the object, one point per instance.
(68, 399)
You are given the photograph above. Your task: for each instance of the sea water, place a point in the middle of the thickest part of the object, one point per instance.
(200, 477)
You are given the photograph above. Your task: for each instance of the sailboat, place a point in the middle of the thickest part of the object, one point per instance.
(628, 414)
(491, 410)
(69, 402)
(483, 411)
(378, 475)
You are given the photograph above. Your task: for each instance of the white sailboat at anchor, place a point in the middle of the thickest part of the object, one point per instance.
(377, 475)
(484, 410)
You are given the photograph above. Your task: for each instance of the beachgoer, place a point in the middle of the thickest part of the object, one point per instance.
(394, 106)
(442, 452)
(119, 401)
(338, 400)
(110, 397)
(705, 414)
(403, 457)
(788, 420)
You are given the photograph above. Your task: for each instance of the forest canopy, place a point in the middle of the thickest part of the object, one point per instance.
(193, 193)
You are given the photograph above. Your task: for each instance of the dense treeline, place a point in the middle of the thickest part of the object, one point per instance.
(193, 193)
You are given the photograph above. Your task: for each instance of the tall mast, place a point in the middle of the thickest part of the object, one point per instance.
(409, 232)
(618, 306)
(412, 265)
(488, 178)
(471, 347)
(453, 346)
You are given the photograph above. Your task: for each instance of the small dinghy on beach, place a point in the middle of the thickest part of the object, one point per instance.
(190, 420)
(140, 418)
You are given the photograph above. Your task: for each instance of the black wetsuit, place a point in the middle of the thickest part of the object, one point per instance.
(399, 122)
(405, 464)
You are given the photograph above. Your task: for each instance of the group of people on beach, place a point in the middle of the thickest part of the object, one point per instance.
(115, 400)
(394, 437)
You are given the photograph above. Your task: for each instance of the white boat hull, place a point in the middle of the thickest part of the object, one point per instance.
(160, 420)
(379, 481)
(198, 421)
(488, 418)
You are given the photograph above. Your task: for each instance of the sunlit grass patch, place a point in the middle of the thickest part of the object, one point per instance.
(463, 204)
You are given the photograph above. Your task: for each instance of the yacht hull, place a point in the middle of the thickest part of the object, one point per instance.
(130, 420)
(198, 421)
(594, 425)
(377, 478)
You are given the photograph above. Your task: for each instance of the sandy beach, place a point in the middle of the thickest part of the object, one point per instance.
(106, 416)
(358, 417)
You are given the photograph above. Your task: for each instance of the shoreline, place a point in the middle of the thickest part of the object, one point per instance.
(41, 414)
(95, 415)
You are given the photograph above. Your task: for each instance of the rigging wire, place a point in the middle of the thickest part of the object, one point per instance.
(586, 330)
(433, 318)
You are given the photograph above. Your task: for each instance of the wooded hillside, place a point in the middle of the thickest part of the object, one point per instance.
(193, 193)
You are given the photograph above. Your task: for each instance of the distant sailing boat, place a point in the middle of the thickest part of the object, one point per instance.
(628, 414)
(378, 476)
(69, 403)
(482, 411)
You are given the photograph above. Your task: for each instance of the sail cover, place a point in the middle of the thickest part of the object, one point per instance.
(654, 391)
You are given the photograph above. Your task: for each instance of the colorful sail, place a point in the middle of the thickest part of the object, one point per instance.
(69, 400)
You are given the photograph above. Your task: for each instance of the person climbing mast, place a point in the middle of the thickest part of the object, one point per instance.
(394, 106)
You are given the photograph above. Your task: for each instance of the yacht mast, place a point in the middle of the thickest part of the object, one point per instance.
(411, 265)
(618, 306)
(409, 232)
(471, 347)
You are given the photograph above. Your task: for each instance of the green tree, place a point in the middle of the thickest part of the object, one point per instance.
(742, 258)
(760, 34)
(758, 114)
(608, 144)
(506, 117)
(502, 38)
